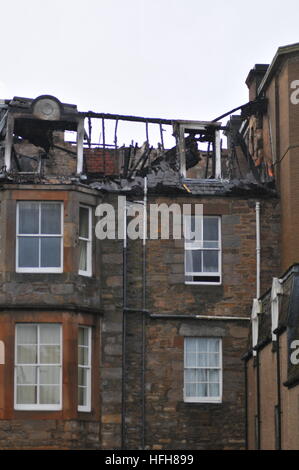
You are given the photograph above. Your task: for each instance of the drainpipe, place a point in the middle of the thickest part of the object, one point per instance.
(278, 394)
(258, 437)
(258, 294)
(124, 327)
(258, 249)
(246, 404)
(143, 314)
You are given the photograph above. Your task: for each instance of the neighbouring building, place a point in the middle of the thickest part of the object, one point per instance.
(123, 343)
(271, 363)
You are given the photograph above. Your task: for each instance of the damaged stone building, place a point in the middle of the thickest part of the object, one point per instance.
(123, 343)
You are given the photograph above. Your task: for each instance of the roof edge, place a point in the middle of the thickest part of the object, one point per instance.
(281, 51)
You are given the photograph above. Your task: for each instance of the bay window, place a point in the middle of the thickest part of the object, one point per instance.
(38, 367)
(39, 244)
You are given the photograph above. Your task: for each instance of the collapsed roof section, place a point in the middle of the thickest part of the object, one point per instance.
(187, 155)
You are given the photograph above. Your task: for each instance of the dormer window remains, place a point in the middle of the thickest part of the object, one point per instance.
(199, 149)
(35, 122)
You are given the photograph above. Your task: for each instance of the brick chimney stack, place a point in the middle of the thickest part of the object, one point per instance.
(254, 79)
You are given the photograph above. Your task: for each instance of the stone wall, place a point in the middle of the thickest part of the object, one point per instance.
(48, 435)
(166, 422)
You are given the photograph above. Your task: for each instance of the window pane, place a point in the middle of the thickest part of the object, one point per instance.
(27, 354)
(83, 356)
(213, 360)
(28, 252)
(51, 218)
(26, 334)
(202, 344)
(202, 360)
(213, 345)
(190, 389)
(197, 260)
(49, 354)
(26, 395)
(82, 376)
(202, 375)
(210, 261)
(193, 261)
(26, 375)
(191, 360)
(82, 255)
(190, 375)
(210, 228)
(83, 222)
(214, 375)
(202, 390)
(49, 395)
(28, 217)
(83, 336)
(50, 252)
(190, 344)
(49, 375)
(82, 396)
(49, 334)
(214, 390)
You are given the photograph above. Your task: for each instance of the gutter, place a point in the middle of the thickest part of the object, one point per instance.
(143, 325)
(279, 410)
(124, 327)
(246, 405)
(258, 249)
(258, 399)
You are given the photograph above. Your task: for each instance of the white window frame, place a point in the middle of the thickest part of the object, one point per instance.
(276, 292)
(40, 235)
(88, 271)
(208, 399)
(256, 311)
(182, 127)
(192, 245)
(37, 406)
(87, 407)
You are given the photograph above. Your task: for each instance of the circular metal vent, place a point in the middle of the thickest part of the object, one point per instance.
(47, 108)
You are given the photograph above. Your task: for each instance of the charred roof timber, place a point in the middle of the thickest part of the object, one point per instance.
(32, 131)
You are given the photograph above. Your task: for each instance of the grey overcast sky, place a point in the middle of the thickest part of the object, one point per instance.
(181, 59)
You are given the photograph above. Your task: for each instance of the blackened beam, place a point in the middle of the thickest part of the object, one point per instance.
(258, 102)
(91, 114)
(168, 122)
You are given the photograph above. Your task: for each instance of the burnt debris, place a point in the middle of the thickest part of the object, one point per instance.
(34, 139)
